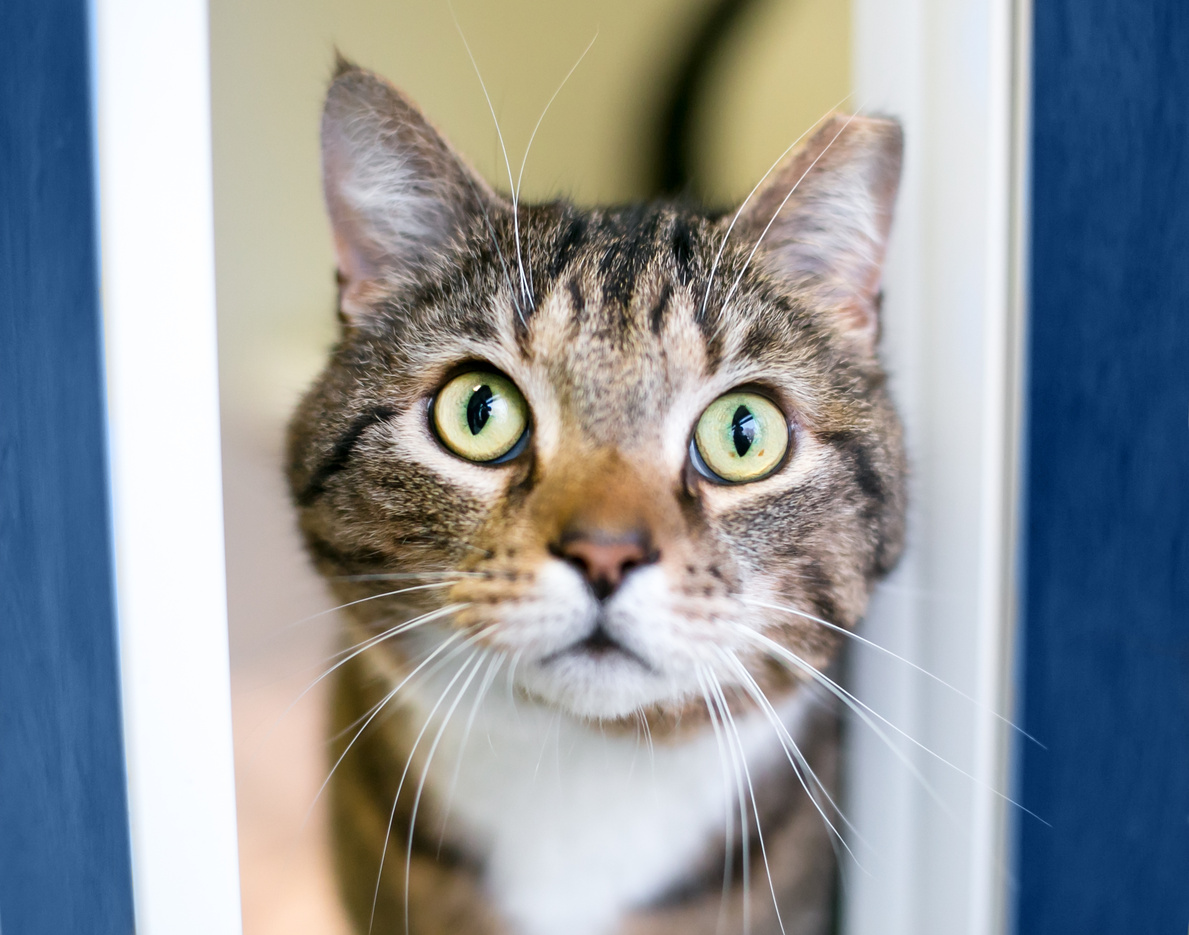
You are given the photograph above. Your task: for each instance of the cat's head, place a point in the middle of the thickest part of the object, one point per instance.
(615, 441)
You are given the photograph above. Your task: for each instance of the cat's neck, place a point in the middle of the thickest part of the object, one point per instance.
(579, 825)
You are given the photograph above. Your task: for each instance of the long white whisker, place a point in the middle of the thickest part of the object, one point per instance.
(507, 165)
(404, 575)
(497, 660)
(800, 765)
(729, 817)
(512, 682)
(772, 168)
(776, 213)
(425, 772)
(908, 662)
(744, 824)
(648, 737)
(495, 242)
(545, 743)
(445, 660)
(856, 704)
(373, 597)
(365, 645)
(355, 651)
(533, 136)
(375, 711)
(722, 700)
(861, 709)
(400, 785)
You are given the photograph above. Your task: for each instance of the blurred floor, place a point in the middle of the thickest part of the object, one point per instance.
(280, 758)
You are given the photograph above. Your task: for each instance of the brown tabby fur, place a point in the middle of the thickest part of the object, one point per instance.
(608, 340)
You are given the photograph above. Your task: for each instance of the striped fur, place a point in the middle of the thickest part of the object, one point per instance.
(613, 327)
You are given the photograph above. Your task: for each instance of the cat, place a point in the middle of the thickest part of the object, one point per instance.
(599, 490)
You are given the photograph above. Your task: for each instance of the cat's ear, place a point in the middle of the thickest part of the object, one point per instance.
(398, 195)
(824, 217)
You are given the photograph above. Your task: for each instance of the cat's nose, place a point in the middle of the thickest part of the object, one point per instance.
(605, 559)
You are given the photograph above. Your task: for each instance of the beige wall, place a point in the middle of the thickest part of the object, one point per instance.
(270, 62)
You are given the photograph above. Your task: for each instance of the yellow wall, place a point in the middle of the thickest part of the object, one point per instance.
(270, 62)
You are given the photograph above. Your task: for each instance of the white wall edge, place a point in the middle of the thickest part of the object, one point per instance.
(955, 73)
(157, 255)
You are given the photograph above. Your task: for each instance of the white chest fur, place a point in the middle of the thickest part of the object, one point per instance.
(581, 826)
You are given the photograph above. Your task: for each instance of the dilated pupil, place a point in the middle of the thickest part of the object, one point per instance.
(743, 430)
(479, 409)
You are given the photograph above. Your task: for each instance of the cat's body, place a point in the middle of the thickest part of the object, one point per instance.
(559, 827)
(699, 480)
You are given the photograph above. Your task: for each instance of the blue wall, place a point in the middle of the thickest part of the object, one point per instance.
(1105, 645)
(64, 852)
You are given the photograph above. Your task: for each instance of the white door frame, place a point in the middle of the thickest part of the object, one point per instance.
(158, 290)
(955, 73)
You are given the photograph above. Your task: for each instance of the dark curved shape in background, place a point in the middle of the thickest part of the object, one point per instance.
(674, 166)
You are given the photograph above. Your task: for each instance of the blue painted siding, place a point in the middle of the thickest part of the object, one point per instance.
(64, 851)
(1105, 640)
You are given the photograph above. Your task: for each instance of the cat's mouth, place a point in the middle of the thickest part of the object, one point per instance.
(598, 644)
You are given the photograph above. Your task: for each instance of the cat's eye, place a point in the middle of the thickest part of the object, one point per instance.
(740, 437)
(481, 416)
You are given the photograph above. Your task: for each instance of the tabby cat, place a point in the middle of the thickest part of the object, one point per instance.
(600, 489)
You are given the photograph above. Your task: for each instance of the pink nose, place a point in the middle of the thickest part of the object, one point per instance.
(603, 559)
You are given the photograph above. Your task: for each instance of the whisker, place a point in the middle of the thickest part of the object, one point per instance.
(353, 652)
(861, 709)
(728, 816)
(405, 773)
(377, 709)
(533, 136)
(736, 754)
(801, 767)
(497, 660)
(507, 165)
(545, 743)
(498, 250)
(908, 662)
(730, 721)
(425, 772)
(647, 737)
(338, 735)
(780, 207)
(405, 575)
(852, 701)
(363, 645)
(772, 168)
(373, 597)
(512, 684)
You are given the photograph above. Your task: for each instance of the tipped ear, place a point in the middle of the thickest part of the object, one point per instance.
(397, 193)
(829, 236)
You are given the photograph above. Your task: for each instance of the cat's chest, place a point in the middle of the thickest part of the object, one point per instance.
(579, 826)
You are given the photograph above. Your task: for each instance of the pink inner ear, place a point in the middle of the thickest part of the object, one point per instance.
(357, 276)
(350, 275)
(860, 317)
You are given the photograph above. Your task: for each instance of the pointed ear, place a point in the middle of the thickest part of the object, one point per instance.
(398, 195)
(828, 237)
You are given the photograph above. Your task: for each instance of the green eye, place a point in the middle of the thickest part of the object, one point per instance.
(741, 437)
(480, 416)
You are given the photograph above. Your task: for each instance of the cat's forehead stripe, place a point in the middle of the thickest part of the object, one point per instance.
(621, 269)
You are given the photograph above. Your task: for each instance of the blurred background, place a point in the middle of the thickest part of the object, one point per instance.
(781, 67)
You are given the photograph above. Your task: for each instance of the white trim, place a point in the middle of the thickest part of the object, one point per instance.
(153, 108)
(951, 71)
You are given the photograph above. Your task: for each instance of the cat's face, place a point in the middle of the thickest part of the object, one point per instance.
(620, 438)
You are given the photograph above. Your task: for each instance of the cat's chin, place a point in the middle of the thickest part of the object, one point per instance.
(603, 686)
